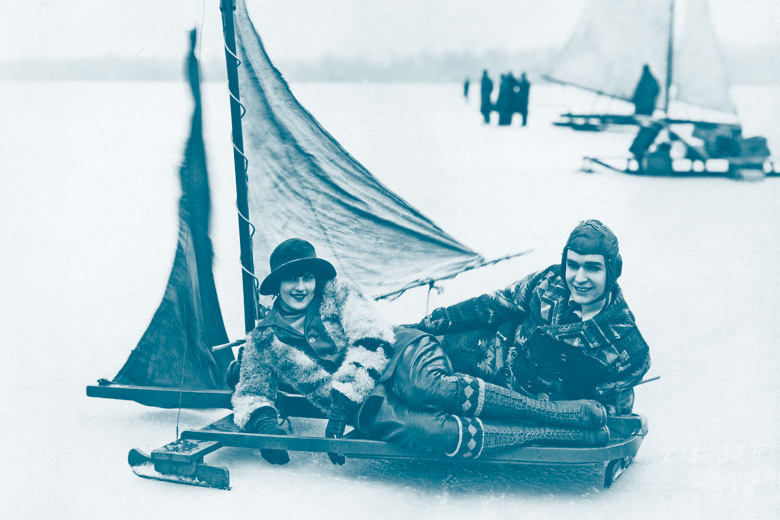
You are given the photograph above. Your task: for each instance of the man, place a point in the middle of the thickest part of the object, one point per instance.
(523, 91)
(486, 89)
(541, 361)
(645, 94)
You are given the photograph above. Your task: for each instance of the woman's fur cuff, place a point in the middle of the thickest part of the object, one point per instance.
(244, 405)
(357, 376)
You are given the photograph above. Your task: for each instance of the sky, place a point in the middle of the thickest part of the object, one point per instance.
(306, 29)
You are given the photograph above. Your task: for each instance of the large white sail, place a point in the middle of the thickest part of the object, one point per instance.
(699, 74)
(615, 38)
(610, 45)
(302, 183)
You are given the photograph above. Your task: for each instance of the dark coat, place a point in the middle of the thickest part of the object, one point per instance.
(601, 358)
(645, 94)
(486, 89)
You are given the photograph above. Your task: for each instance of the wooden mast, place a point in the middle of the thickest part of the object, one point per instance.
(247, 262)
(669, 58)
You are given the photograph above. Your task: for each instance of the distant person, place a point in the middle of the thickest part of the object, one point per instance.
(466, 84)
(646, 92)
(505, 104)
(486, 90)
(659, 160)
(523, 89)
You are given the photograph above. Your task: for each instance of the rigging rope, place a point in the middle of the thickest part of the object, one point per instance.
(255, 279)
(184, 343)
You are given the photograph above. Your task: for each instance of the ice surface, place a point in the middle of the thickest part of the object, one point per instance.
(88, 201)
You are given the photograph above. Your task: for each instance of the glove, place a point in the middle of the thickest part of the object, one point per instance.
(340, 410)
(374, 344)
(435, 323)
(233, 373)
(264, 420)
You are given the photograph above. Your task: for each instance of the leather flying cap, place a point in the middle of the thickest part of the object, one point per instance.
(592, 237)
(295, 257)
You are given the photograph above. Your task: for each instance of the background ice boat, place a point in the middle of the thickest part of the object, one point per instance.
(694, 110)
(302, 184)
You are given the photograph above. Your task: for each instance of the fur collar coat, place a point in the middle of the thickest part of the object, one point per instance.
(363, 343)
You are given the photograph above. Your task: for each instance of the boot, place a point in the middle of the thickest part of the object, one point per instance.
(264, 420)
(478, 398)
(477, 437)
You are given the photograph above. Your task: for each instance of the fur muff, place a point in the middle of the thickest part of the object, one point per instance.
(355, 328)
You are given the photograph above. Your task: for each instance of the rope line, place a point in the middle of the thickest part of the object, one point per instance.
(252, 232)
(240, 104)
(184, 343)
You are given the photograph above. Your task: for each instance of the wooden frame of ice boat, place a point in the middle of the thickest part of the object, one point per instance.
(182, 461)
(178, 344)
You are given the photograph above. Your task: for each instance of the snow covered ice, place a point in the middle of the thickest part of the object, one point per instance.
(88, 201)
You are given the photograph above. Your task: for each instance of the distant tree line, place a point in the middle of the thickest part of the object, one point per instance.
(755, 67)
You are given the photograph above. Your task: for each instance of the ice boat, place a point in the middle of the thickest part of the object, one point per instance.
(694, 111)
(296, 180)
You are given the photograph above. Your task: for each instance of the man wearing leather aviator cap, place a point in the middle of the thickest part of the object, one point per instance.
(540, 361)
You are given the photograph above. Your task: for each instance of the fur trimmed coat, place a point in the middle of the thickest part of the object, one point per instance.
(363, 343)
(600, 358)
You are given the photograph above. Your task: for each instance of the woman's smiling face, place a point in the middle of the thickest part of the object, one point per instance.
(297, 291)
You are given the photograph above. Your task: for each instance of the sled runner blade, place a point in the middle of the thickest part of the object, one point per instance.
(180, 462)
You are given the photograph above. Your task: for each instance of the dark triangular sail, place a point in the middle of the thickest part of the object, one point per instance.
(175, 349)
(302, 183)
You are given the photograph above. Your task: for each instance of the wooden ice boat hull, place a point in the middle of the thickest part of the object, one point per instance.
(178, 465)
(725, 168)
(186, 466)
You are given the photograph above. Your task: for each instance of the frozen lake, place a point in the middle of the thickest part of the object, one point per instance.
(88, 200)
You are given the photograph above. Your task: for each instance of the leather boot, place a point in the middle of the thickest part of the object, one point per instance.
(477, 437)
(264, 420)
(480, 399)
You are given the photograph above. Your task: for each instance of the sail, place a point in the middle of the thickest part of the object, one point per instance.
(613, 40)
(175, 350)
(302, 183)
(699, 73)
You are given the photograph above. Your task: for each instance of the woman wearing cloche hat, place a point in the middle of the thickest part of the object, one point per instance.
(321, 337)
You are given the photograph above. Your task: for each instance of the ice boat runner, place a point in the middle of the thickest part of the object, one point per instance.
(694, 113)
(336, 197)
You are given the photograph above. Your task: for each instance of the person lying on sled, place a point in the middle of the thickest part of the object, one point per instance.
(320, 337)
(540, 362)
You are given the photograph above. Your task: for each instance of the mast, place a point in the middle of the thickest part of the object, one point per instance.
(669, 57)
(247, 262)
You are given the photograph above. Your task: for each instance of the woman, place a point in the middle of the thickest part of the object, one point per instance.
(321, 337)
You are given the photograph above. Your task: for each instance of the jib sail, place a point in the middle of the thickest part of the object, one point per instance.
(175, 350)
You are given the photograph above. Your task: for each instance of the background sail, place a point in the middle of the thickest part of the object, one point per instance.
(614, 39)
(611, 43)
(175, 349)
(699, 73)
(302, 183)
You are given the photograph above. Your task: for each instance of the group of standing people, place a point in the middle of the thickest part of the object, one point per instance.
(512, 98)
(544, 361)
